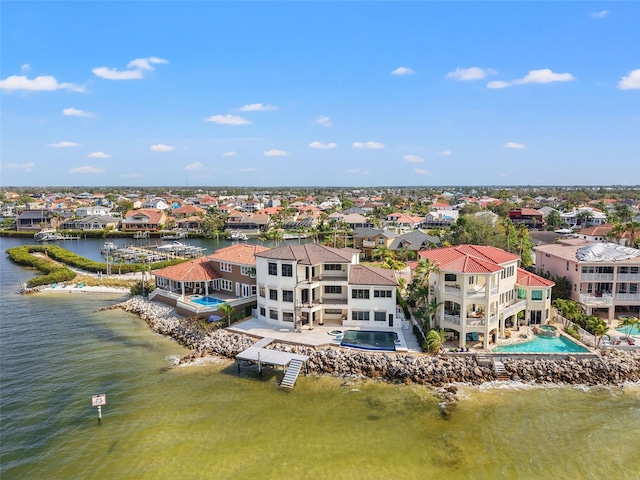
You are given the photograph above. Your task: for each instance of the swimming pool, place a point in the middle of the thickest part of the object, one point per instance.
(630, 331)
(370, 340)
(542, 344)
(208, 301)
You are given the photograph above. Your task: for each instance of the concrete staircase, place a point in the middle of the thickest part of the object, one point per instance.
(291, 375)
(501, 372)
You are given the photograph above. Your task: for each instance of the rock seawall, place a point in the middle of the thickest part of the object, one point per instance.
(615, 368)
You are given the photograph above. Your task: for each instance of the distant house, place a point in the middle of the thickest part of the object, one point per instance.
(92, 222)
(403, 221)
(144, 219)
(92, 210)
(368, 239)
(599, 233)
(414, 240)
(441, 218)
(528, 216)
(248, 221)
(188, 211)
(156, 203)
(37, 219)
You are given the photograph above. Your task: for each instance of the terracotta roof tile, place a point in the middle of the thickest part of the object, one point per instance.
(468, 258)
(197, 270)
(528, 279)
(242, 254)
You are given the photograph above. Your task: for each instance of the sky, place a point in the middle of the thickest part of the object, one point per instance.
(302, 93)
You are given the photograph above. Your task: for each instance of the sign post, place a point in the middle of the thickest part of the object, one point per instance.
(99, 401)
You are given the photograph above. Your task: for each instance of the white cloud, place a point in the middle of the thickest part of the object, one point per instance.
(247, 169)
(515, 145)
(74, 112)
(161, 148)
(25, 167)
(446, 153)
(257, 107)
(413, 159)
(502, 174)
(324, 121)
(322, 145)
(403, 71)
(472, 73)
(228, 120)
(39, 84)
(137, 68)
(64, 144)
(631, 81)
(229, 154)
(600, 14)
(131, 175)
(145, 63)
(371, 145)
(194, 166)
(99, 155)
(544, 75)
(358, 171)
(25, 67)
(274, 152)
(87, 169)
(422, 171)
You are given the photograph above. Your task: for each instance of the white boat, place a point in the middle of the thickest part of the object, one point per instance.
(109, 247)
(47, 236)
(235, 235)
(243, 237)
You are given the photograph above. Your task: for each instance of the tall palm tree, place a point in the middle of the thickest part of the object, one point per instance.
(434, 341)
(226, 310)
(507, 224)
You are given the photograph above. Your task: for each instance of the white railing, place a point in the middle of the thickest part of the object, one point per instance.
(514, 308)
(628, 276)
(628, 297)
(597, 277)
(593, 300)
(475, 322)
(368, 244)
(451, 290)
(494, 290)
(454, 319)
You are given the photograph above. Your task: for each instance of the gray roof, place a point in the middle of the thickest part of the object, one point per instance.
(309, 254)
(606, 252)
(373, 232)
(415, 240)
(361, 275)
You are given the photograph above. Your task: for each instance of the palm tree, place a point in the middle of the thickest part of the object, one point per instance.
(507, 224)
(599, 330)
(629, 323)
(226, 310)
(434, 341)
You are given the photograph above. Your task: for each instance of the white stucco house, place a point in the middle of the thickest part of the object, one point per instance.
(319, 285)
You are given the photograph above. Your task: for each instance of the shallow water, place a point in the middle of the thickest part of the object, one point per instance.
(206, 421)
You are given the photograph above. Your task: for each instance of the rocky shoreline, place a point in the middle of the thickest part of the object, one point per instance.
(615, 368)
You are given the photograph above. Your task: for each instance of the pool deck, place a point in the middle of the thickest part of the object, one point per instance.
(318, 336)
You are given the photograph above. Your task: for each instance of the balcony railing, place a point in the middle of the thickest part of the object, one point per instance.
(328, 301)
(628, 276)
(333, 277)
(452, 290)
(627, 297)
(605, 299)
(453, 319)
(596, 277)
(368, 244)
(514, 308)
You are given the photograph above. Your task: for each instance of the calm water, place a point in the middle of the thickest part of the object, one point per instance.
(205, 421)
(542, 344)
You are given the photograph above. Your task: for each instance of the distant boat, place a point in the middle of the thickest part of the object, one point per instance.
(235, 235)
(47, 236)
(243, 237)
(109, 247)
(175, 236)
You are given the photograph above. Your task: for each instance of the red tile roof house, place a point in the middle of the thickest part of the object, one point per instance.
(228, 274)
(144, 219)
(481, 289)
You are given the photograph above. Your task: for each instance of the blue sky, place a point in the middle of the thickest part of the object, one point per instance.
(319, 93)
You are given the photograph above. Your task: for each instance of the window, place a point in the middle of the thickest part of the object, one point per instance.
(254, 289)
(548, 293)
(332, 266)
(273, 268)
(567, 265)
(226, 284)
(273, 314)
(246, 290)
(225, 267)
(263, 312)
(333, 289)
(380, 241)
(379, 316)
(522, 294)
(536, 295)
(273, 294)
(359, 293)
(450, 277)
(360, 316)
(262, 290)
(329, 311)
(287, 317)
(472, 280)
(287, 270)
(287, 296)
(382, 293)
(245, 270)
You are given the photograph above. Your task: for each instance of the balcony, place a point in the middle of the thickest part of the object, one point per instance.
(333, 277)
(452, 319)
(593, 300)
(596, 277)
(329, 301)
(368, 244)
(514, 308)
(628, 276)
(627, 297)
(452, 290)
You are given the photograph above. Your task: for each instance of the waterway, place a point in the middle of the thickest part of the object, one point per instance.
(206, 421)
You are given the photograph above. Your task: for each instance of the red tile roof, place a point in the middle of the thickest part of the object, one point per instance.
(528, 279)
(242, 254)
(468, 258)
(197, 270)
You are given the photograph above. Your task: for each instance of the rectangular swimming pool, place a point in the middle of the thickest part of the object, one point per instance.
(207, 301)
(370, 340)
(543, 344)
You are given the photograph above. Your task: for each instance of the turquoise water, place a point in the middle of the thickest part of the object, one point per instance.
(630, 331)
(206, 421)
(542, 344)
(209, 301)
(369, 340)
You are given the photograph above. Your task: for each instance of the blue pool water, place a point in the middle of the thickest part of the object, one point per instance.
(632, 331)
(369, 340)
(541, 344)
(208, 301)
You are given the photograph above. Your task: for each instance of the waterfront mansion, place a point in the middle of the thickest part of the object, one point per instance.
(482, 290)
(313, 284)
